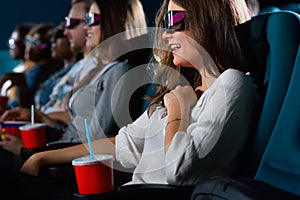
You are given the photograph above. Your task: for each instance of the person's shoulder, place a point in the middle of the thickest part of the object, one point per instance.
(234, 75)
(237, 80)
(118, 66)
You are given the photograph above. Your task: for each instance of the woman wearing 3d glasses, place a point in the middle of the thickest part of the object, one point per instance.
(38, 49)
(192, 132)
(99, 82)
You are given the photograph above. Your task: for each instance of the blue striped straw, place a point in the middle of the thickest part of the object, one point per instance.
(87, 132)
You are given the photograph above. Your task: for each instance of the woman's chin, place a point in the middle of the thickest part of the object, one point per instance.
(178, 61)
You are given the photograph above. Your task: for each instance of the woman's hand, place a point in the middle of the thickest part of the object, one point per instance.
(17, 113)
(180, 100)
(12, 144)
(179, 103)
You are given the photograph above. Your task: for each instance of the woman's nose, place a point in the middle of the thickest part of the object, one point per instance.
(166, 34)
(86, 27)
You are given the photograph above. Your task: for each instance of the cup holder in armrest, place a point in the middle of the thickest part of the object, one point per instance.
(63, 174)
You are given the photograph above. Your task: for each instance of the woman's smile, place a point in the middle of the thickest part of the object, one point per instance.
(175, 47)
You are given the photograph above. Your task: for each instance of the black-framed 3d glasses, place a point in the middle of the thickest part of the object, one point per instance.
(92, 19)
(72, 22)
(35, 43)
(173, 20)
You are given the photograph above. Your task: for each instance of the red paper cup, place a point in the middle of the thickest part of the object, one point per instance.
(94, 175)
(3, 103)
(33, 135)
(12, 128)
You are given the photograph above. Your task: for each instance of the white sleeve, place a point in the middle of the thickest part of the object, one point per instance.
(130, 142)
(196, 143)
(219, 127)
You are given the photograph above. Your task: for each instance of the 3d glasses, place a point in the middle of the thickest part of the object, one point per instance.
(12, 43)
(35, 43)
(173, 20)
(72, 22)
(92, 19)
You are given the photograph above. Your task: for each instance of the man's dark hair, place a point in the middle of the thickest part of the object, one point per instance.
(87, 3)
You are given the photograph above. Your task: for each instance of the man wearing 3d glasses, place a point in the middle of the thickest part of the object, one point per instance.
(76, 34)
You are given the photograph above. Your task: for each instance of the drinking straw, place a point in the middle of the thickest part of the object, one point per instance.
(32, 114)
(87, 132)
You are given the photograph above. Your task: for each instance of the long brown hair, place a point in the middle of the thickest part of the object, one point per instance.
(115, 16)
(211, 24)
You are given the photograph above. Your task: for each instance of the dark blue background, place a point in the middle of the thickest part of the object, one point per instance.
(14, 12)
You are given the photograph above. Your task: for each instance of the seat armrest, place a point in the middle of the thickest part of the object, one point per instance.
(244, 189)
(142, 191)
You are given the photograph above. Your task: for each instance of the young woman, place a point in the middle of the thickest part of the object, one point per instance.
(190, 132)
(61, 52)
(17, 52)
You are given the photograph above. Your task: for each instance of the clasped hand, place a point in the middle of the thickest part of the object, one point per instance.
(182, 97)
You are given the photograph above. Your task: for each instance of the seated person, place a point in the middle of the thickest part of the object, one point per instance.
(62, 53)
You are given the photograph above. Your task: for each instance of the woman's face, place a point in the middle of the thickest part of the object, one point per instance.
(61, 49)
(34, 47)
(16, 46)
(179, 43)
(93, 30)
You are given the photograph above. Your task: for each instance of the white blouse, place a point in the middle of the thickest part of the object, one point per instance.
(218, 129)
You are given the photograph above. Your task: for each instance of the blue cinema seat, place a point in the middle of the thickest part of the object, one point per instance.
(280, 164)
(270, 44)
(270, 165)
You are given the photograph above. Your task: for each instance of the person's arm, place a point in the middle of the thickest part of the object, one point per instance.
(56, 123)
(66, 155)
(63, 117)
(179, 103)
(17, 113)
(24, 114)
